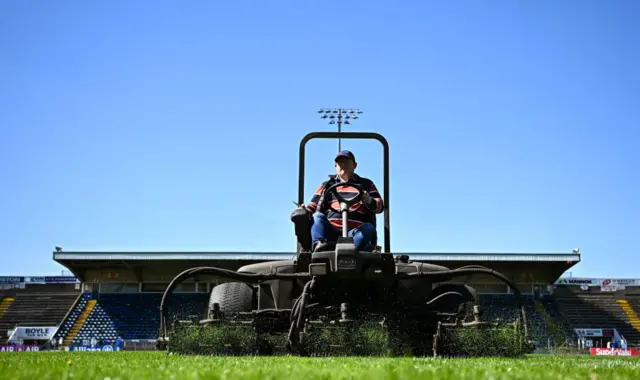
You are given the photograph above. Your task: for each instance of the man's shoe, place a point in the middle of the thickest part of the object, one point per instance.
(320, 245)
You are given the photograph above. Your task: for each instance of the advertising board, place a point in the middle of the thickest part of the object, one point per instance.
(19, 348)
(106, 348)
(610, 282)
(614, 351)
(33, 333)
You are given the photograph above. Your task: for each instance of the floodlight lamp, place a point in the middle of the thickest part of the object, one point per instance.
(332, 122)
(323, 116)
(347, 122)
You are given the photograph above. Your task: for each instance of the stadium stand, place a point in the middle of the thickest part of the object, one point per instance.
(36, 310)
(129, 316)
(545, 327)
(560, 325)
(631, 306)
(553, 318)
(135, 316)
(630, 313)
(5, 302)
(74, 321)
(127, 286)
(595, 309)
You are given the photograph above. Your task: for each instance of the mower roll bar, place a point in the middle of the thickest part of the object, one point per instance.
(351, 135)
(252, 278)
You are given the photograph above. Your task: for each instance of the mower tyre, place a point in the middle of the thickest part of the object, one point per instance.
(232, 297)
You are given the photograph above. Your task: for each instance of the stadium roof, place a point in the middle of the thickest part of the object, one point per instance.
(540, 257)
(542, 266)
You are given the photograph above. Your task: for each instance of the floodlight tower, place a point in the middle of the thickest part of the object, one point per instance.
(336, 116)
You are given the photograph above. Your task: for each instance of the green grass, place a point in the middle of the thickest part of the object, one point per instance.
(158, 365)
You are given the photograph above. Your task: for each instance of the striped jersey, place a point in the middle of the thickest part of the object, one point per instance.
(358, 213)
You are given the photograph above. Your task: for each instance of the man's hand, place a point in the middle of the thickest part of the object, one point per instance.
(302, 207)
(366, 198)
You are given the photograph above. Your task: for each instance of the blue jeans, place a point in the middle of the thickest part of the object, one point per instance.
(322, 229)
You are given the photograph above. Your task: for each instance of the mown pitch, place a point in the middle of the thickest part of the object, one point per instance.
(157, 365)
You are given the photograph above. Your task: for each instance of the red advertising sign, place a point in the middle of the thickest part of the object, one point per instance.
(614, 351)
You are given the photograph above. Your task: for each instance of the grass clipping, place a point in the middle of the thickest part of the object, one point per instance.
(365, 340)
(241, 340)
(227, 340)
(507, 341)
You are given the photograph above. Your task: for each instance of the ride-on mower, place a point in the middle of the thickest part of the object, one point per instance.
(341, 301)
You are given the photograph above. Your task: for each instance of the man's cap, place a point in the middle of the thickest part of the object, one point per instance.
(346, 153)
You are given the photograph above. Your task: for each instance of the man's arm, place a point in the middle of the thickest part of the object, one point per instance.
(377, 204)
(313, 203)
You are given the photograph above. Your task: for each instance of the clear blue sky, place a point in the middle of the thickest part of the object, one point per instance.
(148, 125)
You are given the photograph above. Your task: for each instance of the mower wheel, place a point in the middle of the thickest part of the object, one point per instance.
(232, 297)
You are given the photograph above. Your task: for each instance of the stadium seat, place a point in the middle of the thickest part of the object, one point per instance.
(37, 310)
(135, 315)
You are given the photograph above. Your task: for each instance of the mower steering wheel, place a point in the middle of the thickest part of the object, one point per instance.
(348, 202)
